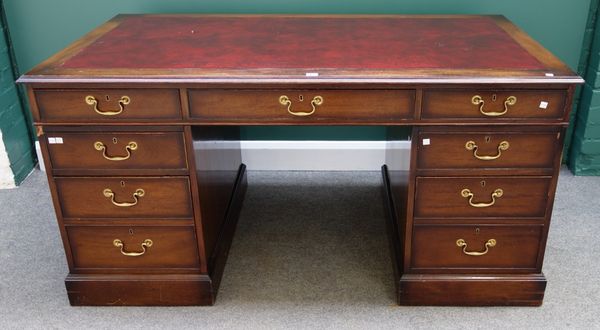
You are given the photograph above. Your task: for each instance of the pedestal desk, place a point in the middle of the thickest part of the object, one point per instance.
(147, 220)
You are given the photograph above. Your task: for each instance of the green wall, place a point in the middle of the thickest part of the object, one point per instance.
(584, 157)
(14, 124)
(39, 28)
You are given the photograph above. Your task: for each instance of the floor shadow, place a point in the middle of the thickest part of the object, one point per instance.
(310, 237)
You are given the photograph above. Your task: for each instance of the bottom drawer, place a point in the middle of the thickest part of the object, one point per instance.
(133, 247)
(477, 247)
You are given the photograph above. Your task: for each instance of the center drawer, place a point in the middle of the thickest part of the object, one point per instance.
(118, 150)
(133, 247)
(124, 197)
(311, 106)
(450, 197)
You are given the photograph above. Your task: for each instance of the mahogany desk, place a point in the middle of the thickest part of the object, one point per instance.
(145, 223)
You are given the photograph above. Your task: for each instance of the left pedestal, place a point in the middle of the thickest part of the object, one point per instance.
(140, 221)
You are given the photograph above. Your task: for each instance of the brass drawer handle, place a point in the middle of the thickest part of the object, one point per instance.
(145, 245)
(136, 195)
(472, 146)
(466, 193)
(461, 243)
(94, 102)
(478, 100)
(316, 101)
(102, 147)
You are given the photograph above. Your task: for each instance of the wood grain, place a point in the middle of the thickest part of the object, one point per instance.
(457, 104)
(263, 105)
(516, 250)
(161, 150)
(447, 150)
(172, 247)
(165, 197)
(441, 196)
(146, 104)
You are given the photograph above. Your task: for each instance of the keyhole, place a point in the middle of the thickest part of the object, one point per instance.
(114, 140)
(487, 139)
(482, 183)
(494, 97)
(107, 98)
(476, 231)
(122, 183)
(130, 231)
(301, 97)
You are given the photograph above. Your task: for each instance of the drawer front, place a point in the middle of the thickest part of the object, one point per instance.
(493, 105)
(442, 197)
(100, 105)
(116, 150)
(476, 246)
(137, 247)
(328, 105)
(124, 197)
(486, 150)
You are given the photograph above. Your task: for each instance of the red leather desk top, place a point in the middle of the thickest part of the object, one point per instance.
(165, 42)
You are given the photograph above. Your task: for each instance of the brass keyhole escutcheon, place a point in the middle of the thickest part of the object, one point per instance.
(107, 98)
(122, 183)
(494, 97)
(114, 140)
(488, 139)
(482, 183)
(477, 231)
(130, 231)
(301, 97)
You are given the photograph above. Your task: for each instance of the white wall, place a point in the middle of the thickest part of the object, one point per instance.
(312, 155)
(7, 179)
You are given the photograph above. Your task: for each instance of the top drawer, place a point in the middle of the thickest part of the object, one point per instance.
(108, 104)
(490, 104)
(309, 106)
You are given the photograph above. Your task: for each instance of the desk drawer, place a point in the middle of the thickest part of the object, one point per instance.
(476, 246)
(124, 197)
(493, 105)
(117, 150)
(446, 150)
(443, 197)
(165, 247)
(303, 105)
(100, 105)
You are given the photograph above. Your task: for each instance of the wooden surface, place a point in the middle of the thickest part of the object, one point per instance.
(337, 105)
(146, 104)
(441, 196)
(165, 150)
(457, 104)
(172, 247)
(447, 150)
(516, 249)
(198, 78)
(164, 197)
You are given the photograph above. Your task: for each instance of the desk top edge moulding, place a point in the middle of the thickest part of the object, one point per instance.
(147, 217)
